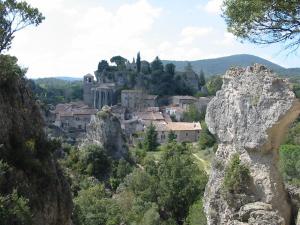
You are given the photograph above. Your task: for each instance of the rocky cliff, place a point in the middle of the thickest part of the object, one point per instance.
(105, 130)
(30, 168)
(249, 116)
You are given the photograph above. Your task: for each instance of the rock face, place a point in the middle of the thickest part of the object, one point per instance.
(248, 116)
(33, 171)
(105, 130)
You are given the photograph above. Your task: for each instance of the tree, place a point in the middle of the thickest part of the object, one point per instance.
(170, 68)
(264, 21)
(202, 79)
(15, 16)
(157, 65)
(181, 182)
(172, 136)
(206, 139)
(150, 143)
(196, 214)
(103, 65)
(138, 62)
(119, 61)
(188, 67)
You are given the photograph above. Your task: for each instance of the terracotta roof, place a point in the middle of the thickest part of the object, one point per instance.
(177, 126)
(74, 108)
(150, 116)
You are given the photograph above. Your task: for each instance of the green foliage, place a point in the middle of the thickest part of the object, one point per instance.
(172, 136)
(54, 91)
(264, 21)
(237, 176)
(94, 206)
(290, 163)
(213, 85)
(157, 65)
(192, 115)
(170, 68)
(181, 181)
(14, 210)
(9, 69)
(119, 61)
(196, 214)
(102, 66)
(138, 62)
(150, 142)
(94, 161)
(206, 139)
(14, 16)
(202, 80)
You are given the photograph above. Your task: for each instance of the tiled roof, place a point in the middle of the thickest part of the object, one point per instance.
(177, 126)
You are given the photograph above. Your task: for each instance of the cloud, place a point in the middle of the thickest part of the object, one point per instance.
(191, 33)
(212, 6)
(74, 38)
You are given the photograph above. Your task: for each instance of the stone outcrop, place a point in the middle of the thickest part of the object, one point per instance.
(105, 130)
(32, 169)
(249, 117)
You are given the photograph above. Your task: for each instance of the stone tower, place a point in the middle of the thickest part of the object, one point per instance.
(88, 82)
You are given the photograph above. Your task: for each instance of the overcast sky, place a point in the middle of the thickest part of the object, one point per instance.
(77, 34)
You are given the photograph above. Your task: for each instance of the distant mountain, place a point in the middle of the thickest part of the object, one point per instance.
(71, 79)
(218, 66)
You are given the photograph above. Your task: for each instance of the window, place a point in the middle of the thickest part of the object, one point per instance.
(186, 134)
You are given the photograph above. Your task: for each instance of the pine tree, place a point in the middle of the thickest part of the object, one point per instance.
(202, 78)
(150, 143)
(138, 62)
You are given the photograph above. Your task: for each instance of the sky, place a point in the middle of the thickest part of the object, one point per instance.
(77, 34)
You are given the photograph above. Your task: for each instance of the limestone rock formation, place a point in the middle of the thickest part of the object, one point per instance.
(105, 130)
(32, 169)
(249, 116)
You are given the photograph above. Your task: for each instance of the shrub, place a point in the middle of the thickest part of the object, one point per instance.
(237, 176)
(14, 210)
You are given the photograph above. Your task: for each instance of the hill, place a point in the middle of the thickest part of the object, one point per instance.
(218, 66)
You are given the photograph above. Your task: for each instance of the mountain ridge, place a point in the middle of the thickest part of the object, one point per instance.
(218, 66)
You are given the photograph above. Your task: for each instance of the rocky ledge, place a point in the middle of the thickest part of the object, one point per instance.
(249, 117)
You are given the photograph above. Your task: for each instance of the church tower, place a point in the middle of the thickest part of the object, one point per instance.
(88, 82)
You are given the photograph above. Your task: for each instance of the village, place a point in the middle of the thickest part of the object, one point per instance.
(135, 109)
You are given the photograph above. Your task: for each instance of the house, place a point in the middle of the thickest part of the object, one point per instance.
(202, 103)
(73, 117)
(183, 101)
(185, 132)
(175, 112)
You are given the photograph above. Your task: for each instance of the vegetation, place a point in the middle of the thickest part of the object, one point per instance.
(14, 209)
(192, 115)
(237, 176)
(290, 155)
(15, 16)
(263, 21)
(9, 69)
(54, 91)
(206, 139)
(150, 143)
(196, 214)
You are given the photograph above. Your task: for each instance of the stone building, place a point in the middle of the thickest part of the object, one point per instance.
(137, 100)
(97, 94)
(185, 132)
(73, 117)
(183, 101)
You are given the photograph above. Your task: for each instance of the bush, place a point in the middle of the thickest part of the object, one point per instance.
(14, 210)
(290, 163)
(196, 214)
(237, 176)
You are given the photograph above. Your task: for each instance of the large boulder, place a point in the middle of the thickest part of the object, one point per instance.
(249, 117)
(105, 130)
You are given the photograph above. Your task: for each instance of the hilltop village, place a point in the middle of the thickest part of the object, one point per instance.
(128, 89)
